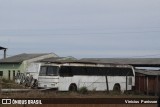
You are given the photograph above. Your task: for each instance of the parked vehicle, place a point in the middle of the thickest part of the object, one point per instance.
(98, 77)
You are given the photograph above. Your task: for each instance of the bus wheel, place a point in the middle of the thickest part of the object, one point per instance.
(73, 87)
(117, 87)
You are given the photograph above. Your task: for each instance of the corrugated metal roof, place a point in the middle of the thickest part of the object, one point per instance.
(148, 72)
(52, 59)
(21, 57)
(58, 59)
(131, 61)
(84, 62)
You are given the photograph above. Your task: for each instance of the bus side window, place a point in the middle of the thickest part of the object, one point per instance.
(65, 71)
(89, 71)
(78, 70)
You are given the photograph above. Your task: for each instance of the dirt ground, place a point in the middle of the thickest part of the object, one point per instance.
(35, 93)
(56, 94)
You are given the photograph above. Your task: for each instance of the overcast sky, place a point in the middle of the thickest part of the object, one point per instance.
(81, 28)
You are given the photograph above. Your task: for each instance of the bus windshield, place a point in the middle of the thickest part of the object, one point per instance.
(49, 71)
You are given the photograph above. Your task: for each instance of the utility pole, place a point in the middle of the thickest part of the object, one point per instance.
(5, 50)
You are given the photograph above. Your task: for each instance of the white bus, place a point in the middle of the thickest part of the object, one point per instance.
(97, 77)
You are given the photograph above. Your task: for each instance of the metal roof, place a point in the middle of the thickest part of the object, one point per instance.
(52, 59)
(148, 72)
(21, 57)
(84, 62)
(131, 61)
(2, 48)
(58, 59)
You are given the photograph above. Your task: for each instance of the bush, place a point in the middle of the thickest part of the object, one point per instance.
(133, 93)
(6, 81)
(115, 93)
(83, 90)
(9, 84)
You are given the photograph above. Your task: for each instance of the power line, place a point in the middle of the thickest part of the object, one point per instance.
(99, 33)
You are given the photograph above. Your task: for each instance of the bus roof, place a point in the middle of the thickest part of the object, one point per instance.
(84, 63)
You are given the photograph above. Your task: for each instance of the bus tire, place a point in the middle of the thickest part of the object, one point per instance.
(117, 87)
(73, 87)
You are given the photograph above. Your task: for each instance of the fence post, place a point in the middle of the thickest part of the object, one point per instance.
(147, 85)
(127, 81)
(139, 84)
(157, 85)
(0, 84)
(107, 83)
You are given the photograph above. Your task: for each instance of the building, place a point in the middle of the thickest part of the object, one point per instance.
(147, 81)
(10, 66)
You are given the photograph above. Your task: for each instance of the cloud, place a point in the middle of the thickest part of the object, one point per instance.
(82, 28)
(42, 14)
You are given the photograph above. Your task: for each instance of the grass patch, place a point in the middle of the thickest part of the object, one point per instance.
(83, 90)
(55, 94)
(6, 81)
(9, 84)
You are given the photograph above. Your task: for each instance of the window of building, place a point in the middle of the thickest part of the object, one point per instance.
(1, 73)
(9, 74)
(13, 74)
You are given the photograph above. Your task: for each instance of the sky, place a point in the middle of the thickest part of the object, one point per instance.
(81, 28)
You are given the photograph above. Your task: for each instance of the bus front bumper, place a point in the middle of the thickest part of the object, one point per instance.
(47, 85)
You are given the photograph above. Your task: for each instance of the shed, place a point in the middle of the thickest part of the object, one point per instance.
(147, 81)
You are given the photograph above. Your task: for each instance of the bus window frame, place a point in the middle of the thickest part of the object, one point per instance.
(46, 72)
(57, 70)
